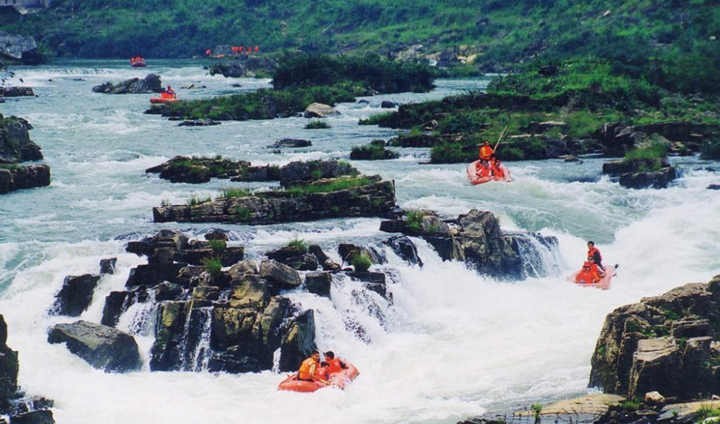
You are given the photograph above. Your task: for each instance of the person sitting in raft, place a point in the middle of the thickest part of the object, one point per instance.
(484, 170)
(323, 371)
(308, 368)
(594, 253)
(335, 365)
(169, 93)
(587, 275)
(497, 169)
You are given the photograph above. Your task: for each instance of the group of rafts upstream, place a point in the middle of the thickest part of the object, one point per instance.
(488, 168)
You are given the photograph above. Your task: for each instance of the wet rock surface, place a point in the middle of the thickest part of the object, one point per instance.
(75, 295)
(102, 347)
(150, 84)
(665, 343)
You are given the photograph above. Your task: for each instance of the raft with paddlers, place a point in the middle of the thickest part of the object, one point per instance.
(488, 167)
(584, 278)
(167, 96)
(339, 380)
(137, 62)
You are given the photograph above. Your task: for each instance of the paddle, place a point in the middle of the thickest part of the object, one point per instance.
(500, 138)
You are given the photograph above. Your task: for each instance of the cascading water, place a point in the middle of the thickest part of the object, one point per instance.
(452, 343)
(195, 346)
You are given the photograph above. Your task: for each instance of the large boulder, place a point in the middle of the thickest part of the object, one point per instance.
(229, 70)
(279, 275)
(664, 343)
(319, 283)
(18, 47)
(405, 248)
(651, 179)
(299, 341)
(103, 347)
(319, 110)
(19, 177)
(43, 416)
(150, 84)
(75, 295)
(9, 366)
(16, 92)
(15, 143)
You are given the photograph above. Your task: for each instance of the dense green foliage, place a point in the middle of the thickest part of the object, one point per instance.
(671, 41)
(650, 152)
(361, 262)
(334, 185)
(369, 72)
(317, 124)
(376, 150)
(262, 104)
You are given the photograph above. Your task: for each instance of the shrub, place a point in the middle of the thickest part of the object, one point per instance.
(317, 125)
(651, 152)
(414, 220)
(334, 185)
(213, 266)
(194, 201)
(372, 152)
(234, 192)
(298, 244)
(361, 262)
(710, 149)
(217, 245)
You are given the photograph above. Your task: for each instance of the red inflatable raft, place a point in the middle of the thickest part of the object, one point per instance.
(603, 284)
(157, 100)
(475, 179)
(339, 380)
(137, 62)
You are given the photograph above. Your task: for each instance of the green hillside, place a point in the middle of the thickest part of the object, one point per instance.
(502, 33)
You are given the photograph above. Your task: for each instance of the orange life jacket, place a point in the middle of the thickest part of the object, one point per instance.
(335, 366)
(304, 371)
(588, 275)
(498, 171)
(592, 251)
(322, 373)
(483, 171)
(486, 152)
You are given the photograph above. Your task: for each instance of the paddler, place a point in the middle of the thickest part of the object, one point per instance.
(594, 253)
(308, 368)
(169, 93)
(486, 152)
(588, 274)
(497, 169)
(335, 365)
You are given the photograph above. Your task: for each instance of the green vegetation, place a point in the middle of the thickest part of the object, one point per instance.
(710, 149)
(213, 266)
(229, 193)
(413, 220)
(707, 411)
(630, 405)
(195, 201)
(361, 262)
(651, 152)
(261, 104)
(343, 183)
(217, 245)
(369, 72)
(298, 244)
(374, 151)
(317, 124)
(546, 115)
(537, 411)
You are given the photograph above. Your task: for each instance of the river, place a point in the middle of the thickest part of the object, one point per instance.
(453, 344)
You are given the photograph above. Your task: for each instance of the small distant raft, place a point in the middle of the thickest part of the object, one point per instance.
(137, 62)
(160, 100)
(339, 380)
(475, 179)
(603, 284)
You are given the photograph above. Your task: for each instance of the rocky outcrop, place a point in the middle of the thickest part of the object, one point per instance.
(107, 266)
(75, 295)
(15, 143)
(9, 367)
(319, 110)
(16, 92)
(668, 344)
(199, 123)
(294, 257)
(102, 347)
(387, 104)
(366, 196)
(476, 239)
(299, 341)
(617, 139)
(290, 143)
(405, 249)
(19, 48)
(150, 84)
(229, 70)
(641, 173)
(18, 177)
(374, 151)
(243, 66)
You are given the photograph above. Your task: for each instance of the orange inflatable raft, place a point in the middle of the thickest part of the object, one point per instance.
(603, 284)
(160, 100)
(339, 380)
(475, 178)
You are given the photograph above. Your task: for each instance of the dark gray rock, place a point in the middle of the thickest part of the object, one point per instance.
(299, 341)
(20, 177)
(107, 266)
(16, 92)
(387, 104)
(15, 143)
(76, 295)
(43, 416)
(9, 366)
(150, 84)
(713, 187)
(114, 307)
(199, 123)
(652, 179)
(18, 47)
(279, 275)
(325, 262)
(319, 283)
(102, 347)
(291, 143)
(405, 248)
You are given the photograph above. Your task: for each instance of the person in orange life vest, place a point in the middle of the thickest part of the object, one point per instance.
(308, 368)
(595, 254)
(208, 52)
(587, 275)
(486, 151)
(335, 365)
(497, 169)
(257, 49)
(321, 372)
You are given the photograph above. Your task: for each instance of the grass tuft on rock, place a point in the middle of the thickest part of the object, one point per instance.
(317, 125)
(361, 262)
(298, 244)
(333, 185)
